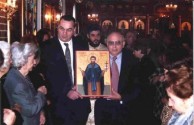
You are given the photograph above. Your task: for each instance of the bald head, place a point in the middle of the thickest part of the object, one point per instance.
(115, 43)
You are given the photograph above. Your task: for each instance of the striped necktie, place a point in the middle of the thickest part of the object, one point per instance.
(114, 74)
(68, 60)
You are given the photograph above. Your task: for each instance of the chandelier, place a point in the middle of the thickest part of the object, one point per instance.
(9, 8)
(78, 1)
(171, 6)
(93, 17)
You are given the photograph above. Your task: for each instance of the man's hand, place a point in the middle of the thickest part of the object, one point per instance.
(82, 71)
(42, 118)
(42, 89)
(103, 71)
(73, 94)
(8, 117)
(114, 96)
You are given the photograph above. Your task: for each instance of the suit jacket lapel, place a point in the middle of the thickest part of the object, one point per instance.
(58, 49)
(122, 72)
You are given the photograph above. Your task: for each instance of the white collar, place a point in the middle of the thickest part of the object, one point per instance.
(118, 56)
(69, 42)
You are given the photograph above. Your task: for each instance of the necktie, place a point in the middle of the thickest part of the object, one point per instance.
(68, 60)
(115, 74)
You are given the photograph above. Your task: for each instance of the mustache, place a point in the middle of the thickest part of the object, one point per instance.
(96, 40)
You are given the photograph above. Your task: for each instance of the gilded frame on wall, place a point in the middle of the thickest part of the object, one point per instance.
(31, 16)
(186, 26)
(123, 24)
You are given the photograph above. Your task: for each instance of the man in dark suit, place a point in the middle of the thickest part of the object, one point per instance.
(112, 110)
(58, 59)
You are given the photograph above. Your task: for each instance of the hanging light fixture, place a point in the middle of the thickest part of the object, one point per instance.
(78, 1)
(9, 8)
(93, 17)
(171, 6)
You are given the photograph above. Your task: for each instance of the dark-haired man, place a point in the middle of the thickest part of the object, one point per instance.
(94, 38)
(69, 108)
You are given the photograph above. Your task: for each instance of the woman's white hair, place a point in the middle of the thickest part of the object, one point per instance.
(20, 53)
(5, 48)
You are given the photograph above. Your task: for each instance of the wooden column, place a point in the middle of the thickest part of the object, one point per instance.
(74, 11)
(179, 26)
(8, 31)
(39, 15)
(148, 24)
(22, 17)
(63, 7)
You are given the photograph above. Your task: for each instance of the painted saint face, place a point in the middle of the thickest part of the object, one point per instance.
(93, 60)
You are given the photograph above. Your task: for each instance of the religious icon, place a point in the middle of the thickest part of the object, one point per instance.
(186, 26)
(93, 73)
(123, 24)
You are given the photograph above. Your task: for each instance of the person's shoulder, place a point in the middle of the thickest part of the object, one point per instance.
(97, 65)
(128, 56)
(11, 71)
(103, 47)
(127, 52)
(80, 43)
(11, 77)
(49, 43)
(147, 58)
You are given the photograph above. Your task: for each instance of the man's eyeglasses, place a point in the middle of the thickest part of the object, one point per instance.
(117, 43)
(63, 29)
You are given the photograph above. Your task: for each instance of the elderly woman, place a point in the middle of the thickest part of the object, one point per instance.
(5, 48)
(10, 116)
(179, 88)
(19, 88)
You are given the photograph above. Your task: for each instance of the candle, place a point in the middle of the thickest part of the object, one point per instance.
(8, 2)
(14, 3)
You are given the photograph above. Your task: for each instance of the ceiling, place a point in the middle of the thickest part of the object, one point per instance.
(136, 1)
(120, 1)
(131, 6)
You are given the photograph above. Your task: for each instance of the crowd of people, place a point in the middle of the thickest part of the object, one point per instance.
(152, 83)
